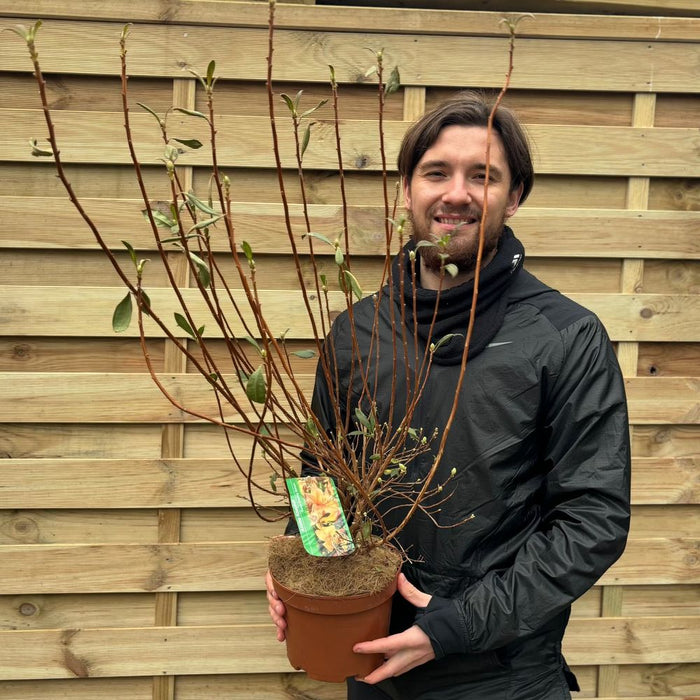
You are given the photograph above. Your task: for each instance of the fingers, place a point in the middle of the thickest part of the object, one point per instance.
(403, 652)
(412, 594)
(275, 608)
(395, 666)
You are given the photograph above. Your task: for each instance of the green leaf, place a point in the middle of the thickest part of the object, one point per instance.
(132, 252)
(394, 82)
(451, 269)
(351, 280)
(191, 112)
(121, 318)
(320, 238)
(161, 219)
(290, 103)
(39, 152)
(255, 388)
(313, 109)
(206, 223)
(304, 354)
(177, 239)
(339, 257)
(182, 322)
(146, 303)
(311, 428)
(443, 340)
(253, 342)
(425, 244)
(273, 482)
(305, 139)
(196, 202)
(365, 421)
(159, 119)
(210, 72)
(399, 223)
(190, 143)
(203, 272)
(247, 251)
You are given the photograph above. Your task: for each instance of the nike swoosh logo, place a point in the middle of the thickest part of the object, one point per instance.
(495, 345)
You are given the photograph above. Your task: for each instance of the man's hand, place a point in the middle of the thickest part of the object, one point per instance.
(402, 651)
(276, 608)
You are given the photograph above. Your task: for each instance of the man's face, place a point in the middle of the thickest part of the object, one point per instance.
(445, 196)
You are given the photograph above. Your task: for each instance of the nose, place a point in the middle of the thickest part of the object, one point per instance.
(457, 192)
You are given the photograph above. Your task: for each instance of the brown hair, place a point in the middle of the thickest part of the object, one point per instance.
(470, 108)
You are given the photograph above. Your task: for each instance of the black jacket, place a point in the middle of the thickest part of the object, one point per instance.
(541, 451)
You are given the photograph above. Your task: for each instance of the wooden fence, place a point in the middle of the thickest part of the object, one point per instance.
(129, 566)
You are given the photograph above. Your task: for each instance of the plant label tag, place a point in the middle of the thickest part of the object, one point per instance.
(319, 516)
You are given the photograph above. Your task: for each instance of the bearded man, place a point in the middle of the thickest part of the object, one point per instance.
(540, 441)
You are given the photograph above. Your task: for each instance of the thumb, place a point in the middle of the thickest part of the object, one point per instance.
(412, 594)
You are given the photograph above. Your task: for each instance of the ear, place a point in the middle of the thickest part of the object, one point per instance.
(406, 194)
(514, 200)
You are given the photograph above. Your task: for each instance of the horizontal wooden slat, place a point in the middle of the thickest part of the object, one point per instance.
(253, 648)
(203, 441)
(125, 568)
(82, 689)
(216, 483)
(84, 311)
(87, 311)
(656, 561)
(123, 483)
(97, 137)
(238, 607)
(139, 526)
(98, 398)
(592, 233)
(225, 687)
(136, 609)
(219, 687)
(671, 400)
(241, 54)
(90, 398)
(657, 683)
(633, 640)
(389, 19)
(658, 480)
(143, 651)
(250, 607)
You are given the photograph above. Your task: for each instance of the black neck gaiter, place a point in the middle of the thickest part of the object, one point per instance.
(455, 303)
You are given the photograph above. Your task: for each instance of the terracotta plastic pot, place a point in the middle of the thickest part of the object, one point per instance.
(321, 631)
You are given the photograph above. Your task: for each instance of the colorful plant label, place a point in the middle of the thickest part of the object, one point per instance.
(319, 515)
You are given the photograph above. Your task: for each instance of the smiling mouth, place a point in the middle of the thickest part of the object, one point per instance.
(456, 221)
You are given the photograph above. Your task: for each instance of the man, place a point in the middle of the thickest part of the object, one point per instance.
(540, 445)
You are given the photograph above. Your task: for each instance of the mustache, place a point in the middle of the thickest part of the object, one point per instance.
(463, 214)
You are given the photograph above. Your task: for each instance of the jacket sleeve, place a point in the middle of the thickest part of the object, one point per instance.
(584, 507)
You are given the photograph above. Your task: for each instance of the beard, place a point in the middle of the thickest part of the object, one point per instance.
(462, 248)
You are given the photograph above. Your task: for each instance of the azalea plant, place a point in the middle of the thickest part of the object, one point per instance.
(258, 388)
